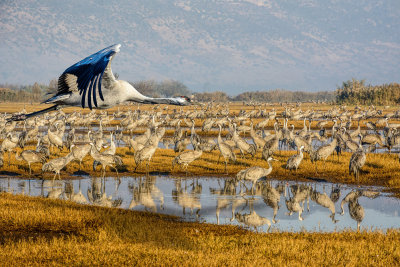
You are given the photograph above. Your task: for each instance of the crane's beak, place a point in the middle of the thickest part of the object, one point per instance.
(184, 100)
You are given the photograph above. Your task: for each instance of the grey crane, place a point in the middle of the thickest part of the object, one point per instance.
(226, 151)
(370, 125)
(55, 139)
(303, 141)
(32, 133)
(132, 143)
(91, 82)
(71, 138)
(146, 153)
(254, 173)
(187, 157)
(181, 144)
(79, 152)
(295, 160)
(262, 124)
(272, 145)
(112, 149)
(257, 140)
(167, 142)
(208, 124)
(198, 142)
(9, 144)
(118, 135)
(350, 144)
(105, 160)
(357, 161)
(56, 165)
(42, 148)
(31, 156)
(242, 144)
(323, 152)
(372, 140)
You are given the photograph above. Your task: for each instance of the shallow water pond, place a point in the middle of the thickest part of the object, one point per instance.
(273, 205)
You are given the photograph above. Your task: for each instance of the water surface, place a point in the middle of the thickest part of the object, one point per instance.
(222, 201)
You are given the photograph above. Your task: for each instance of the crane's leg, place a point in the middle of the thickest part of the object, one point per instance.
(117, 172)
(186, 167)
(225, 166)
(30, 170)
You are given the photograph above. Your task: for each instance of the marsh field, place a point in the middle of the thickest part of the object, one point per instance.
(49, 227)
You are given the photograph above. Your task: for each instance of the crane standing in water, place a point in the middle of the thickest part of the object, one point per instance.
(91, 83)
(254, 173)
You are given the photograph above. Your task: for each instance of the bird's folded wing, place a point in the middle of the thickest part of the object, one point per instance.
(87, 75)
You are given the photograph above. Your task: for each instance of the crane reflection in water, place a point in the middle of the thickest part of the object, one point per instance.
(268, 206)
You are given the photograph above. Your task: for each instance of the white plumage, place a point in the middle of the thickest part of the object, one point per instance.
(91, 83)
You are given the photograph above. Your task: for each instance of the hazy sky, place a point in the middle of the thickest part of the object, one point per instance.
(232, 46)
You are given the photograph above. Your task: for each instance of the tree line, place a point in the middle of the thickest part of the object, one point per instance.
(353, 92)
(22, 93)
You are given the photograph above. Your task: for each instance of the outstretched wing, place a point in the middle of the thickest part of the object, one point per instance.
(86, 76)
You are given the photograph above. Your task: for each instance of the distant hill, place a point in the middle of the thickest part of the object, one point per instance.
(228, 45)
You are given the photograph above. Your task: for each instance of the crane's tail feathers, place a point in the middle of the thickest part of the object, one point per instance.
(95, 163)
(118, 161)
(21, 117)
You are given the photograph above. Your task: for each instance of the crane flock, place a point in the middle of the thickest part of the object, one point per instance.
(83, 135)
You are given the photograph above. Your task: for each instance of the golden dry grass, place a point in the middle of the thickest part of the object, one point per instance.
(36, 231)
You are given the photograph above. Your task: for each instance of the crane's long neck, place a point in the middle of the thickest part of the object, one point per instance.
(270, 166)
(219, 135)
(137, 97)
